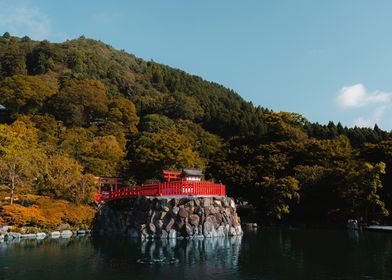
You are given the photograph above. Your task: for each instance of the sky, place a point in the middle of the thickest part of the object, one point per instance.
(327, 60)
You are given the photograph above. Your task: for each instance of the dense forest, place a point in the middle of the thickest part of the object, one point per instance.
(78, 109)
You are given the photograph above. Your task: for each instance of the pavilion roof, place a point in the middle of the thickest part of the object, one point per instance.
(192, 172)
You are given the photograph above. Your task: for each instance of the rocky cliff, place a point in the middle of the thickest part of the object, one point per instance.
(162, 217)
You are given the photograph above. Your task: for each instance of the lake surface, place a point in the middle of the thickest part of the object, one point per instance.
(266, 254)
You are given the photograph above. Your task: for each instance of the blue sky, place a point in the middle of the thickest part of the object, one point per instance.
(327, 60)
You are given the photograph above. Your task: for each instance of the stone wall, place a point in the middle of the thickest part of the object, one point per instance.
(162, 217)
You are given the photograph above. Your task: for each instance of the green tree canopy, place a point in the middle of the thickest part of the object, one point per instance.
(156, 123)
(80, 103)
(124, 111)
(276, 194)
(361, 191)
(63, 178)
(151, 153)
(23, 94)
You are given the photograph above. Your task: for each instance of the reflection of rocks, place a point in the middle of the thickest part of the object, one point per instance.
(155, 250)
(152, 217)
(353, 235)
(35, 243)
(223, 251)
(220, 251)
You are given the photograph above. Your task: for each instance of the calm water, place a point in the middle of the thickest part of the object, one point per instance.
(267, 254)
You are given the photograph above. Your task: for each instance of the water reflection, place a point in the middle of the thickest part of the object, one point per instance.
(26, 244)
(265, 254)
(212, 258)
(353, 235)
(158, 252)
(44, 259)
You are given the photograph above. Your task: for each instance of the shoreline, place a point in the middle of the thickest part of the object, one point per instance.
(15, 236)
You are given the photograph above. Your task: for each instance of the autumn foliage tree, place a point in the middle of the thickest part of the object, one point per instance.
(13, 61)
(62, 178)
(123, 111)
(151, 153)
(80, 103)
(276, 194)
(361, 192)
(17, 144)
(22, 94)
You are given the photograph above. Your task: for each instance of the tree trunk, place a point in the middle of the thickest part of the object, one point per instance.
(12, 190)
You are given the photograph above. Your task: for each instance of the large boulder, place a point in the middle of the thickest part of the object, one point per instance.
(4, 229)
(190, 204)
(232, 203)
(66, 234)
(175, 210)
(158, 224)
(199, 211)
(218, 217)
(172, 234)
(28, 236)
(180, 223)
(183, 213)
(144, 233)
(188, 229)
(151, 228)
(194, 219)
(217, 203)
(169, 225)
(163, 214)
(208, 227)
(206, 202)
(54, 234)
(212, 220)
(163, 234)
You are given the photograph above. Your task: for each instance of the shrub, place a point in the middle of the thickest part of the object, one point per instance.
(47, 213)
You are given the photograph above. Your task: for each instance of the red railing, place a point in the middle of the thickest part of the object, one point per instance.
(177, 188)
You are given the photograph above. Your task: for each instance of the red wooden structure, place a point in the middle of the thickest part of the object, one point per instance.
(109, 183)
(171, 175)
(113, 188)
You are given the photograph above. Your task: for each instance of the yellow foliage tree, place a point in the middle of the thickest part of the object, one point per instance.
(23, 94)
(63, 178)
(153, 152)
(18, 143)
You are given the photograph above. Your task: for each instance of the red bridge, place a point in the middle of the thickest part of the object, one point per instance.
(186, 183)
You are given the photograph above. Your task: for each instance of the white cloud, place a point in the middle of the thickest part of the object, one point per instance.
(372, 107)
(358, 96)
(373, 119)
(20, 18)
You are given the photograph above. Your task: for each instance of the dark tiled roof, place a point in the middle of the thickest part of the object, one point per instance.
(192, 172)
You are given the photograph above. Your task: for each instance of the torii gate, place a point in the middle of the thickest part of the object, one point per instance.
(171, 175)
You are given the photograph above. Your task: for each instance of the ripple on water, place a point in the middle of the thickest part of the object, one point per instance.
(159, 261)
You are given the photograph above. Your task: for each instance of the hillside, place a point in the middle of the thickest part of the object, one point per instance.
(81, 108)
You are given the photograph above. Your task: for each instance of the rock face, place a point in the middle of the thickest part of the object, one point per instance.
(161, 217)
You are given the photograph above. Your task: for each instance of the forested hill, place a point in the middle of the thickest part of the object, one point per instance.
(152, 87)
(81, 108)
